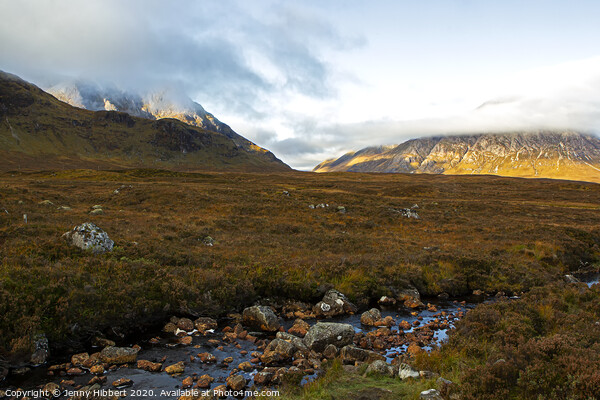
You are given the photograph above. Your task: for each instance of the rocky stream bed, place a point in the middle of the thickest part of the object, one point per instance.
(252, 351)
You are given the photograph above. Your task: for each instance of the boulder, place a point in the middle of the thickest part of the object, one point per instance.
(246, 366)
(236, 382)
(300, 328)
(170, 328)
(220, 392)
(405, 325)
(413, 303)
(260, 317)
(409, 295)
(187, 383)
(414, 348)
(204, 381)
(334, 303)
(294, 340)
(263, 378)
(278, 351)
(97, 369)
(118, 355)
(351, 354)
(75, 371)
(330, 352)
(430, 394)
(325, 333)
(204, 323)
(88, 236)
(149, 366)
(79, 359)
(177, 368)
(405, 371)
(185, 324)
(369, 318)
(379, 368)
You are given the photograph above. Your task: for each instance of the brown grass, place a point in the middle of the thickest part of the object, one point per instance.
(475, 232)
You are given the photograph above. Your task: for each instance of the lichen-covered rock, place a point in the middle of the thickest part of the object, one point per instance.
(370, 317)
(149, 366)
(379, 368)
(79, 359)
(334, 303)
(203, 324)
(263, 377)
(236, 382)
(118, 355)
(278, 351)
(322, 334)
(88, 236)
(351, 354)
(185, 324)
(177, 368)
(405, 371)
(204, 381)
(300, 328)
(261, 317)
(410, 297)
(294, 340)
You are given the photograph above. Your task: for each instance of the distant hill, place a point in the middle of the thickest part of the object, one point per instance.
(543, 154)
(38, 131)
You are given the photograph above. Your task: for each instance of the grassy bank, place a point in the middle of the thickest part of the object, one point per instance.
(545, 345)
(478, 232)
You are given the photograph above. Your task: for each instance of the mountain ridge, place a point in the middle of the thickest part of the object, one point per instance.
(38, 131)
(543, 154)
(157, 104)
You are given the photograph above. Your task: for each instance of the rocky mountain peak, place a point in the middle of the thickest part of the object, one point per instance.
(552, 154)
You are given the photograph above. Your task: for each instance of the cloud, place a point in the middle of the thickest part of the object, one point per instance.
(219, 51)
(295, 146)
(561, 97)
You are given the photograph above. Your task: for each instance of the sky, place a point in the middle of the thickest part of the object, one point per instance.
(312, 80)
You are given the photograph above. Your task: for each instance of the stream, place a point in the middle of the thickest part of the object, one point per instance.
(165, 349)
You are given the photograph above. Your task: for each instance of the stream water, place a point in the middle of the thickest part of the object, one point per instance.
(162, 385)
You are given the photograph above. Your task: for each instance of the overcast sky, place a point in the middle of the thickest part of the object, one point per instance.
(311, 80)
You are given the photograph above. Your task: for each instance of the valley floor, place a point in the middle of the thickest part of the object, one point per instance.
(213, 243)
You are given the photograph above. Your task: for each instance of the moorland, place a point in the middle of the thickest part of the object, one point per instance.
(213, 243)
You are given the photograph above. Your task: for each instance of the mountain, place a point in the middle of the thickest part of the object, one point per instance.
(38, 131)
(166, 103)
(542, 154)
